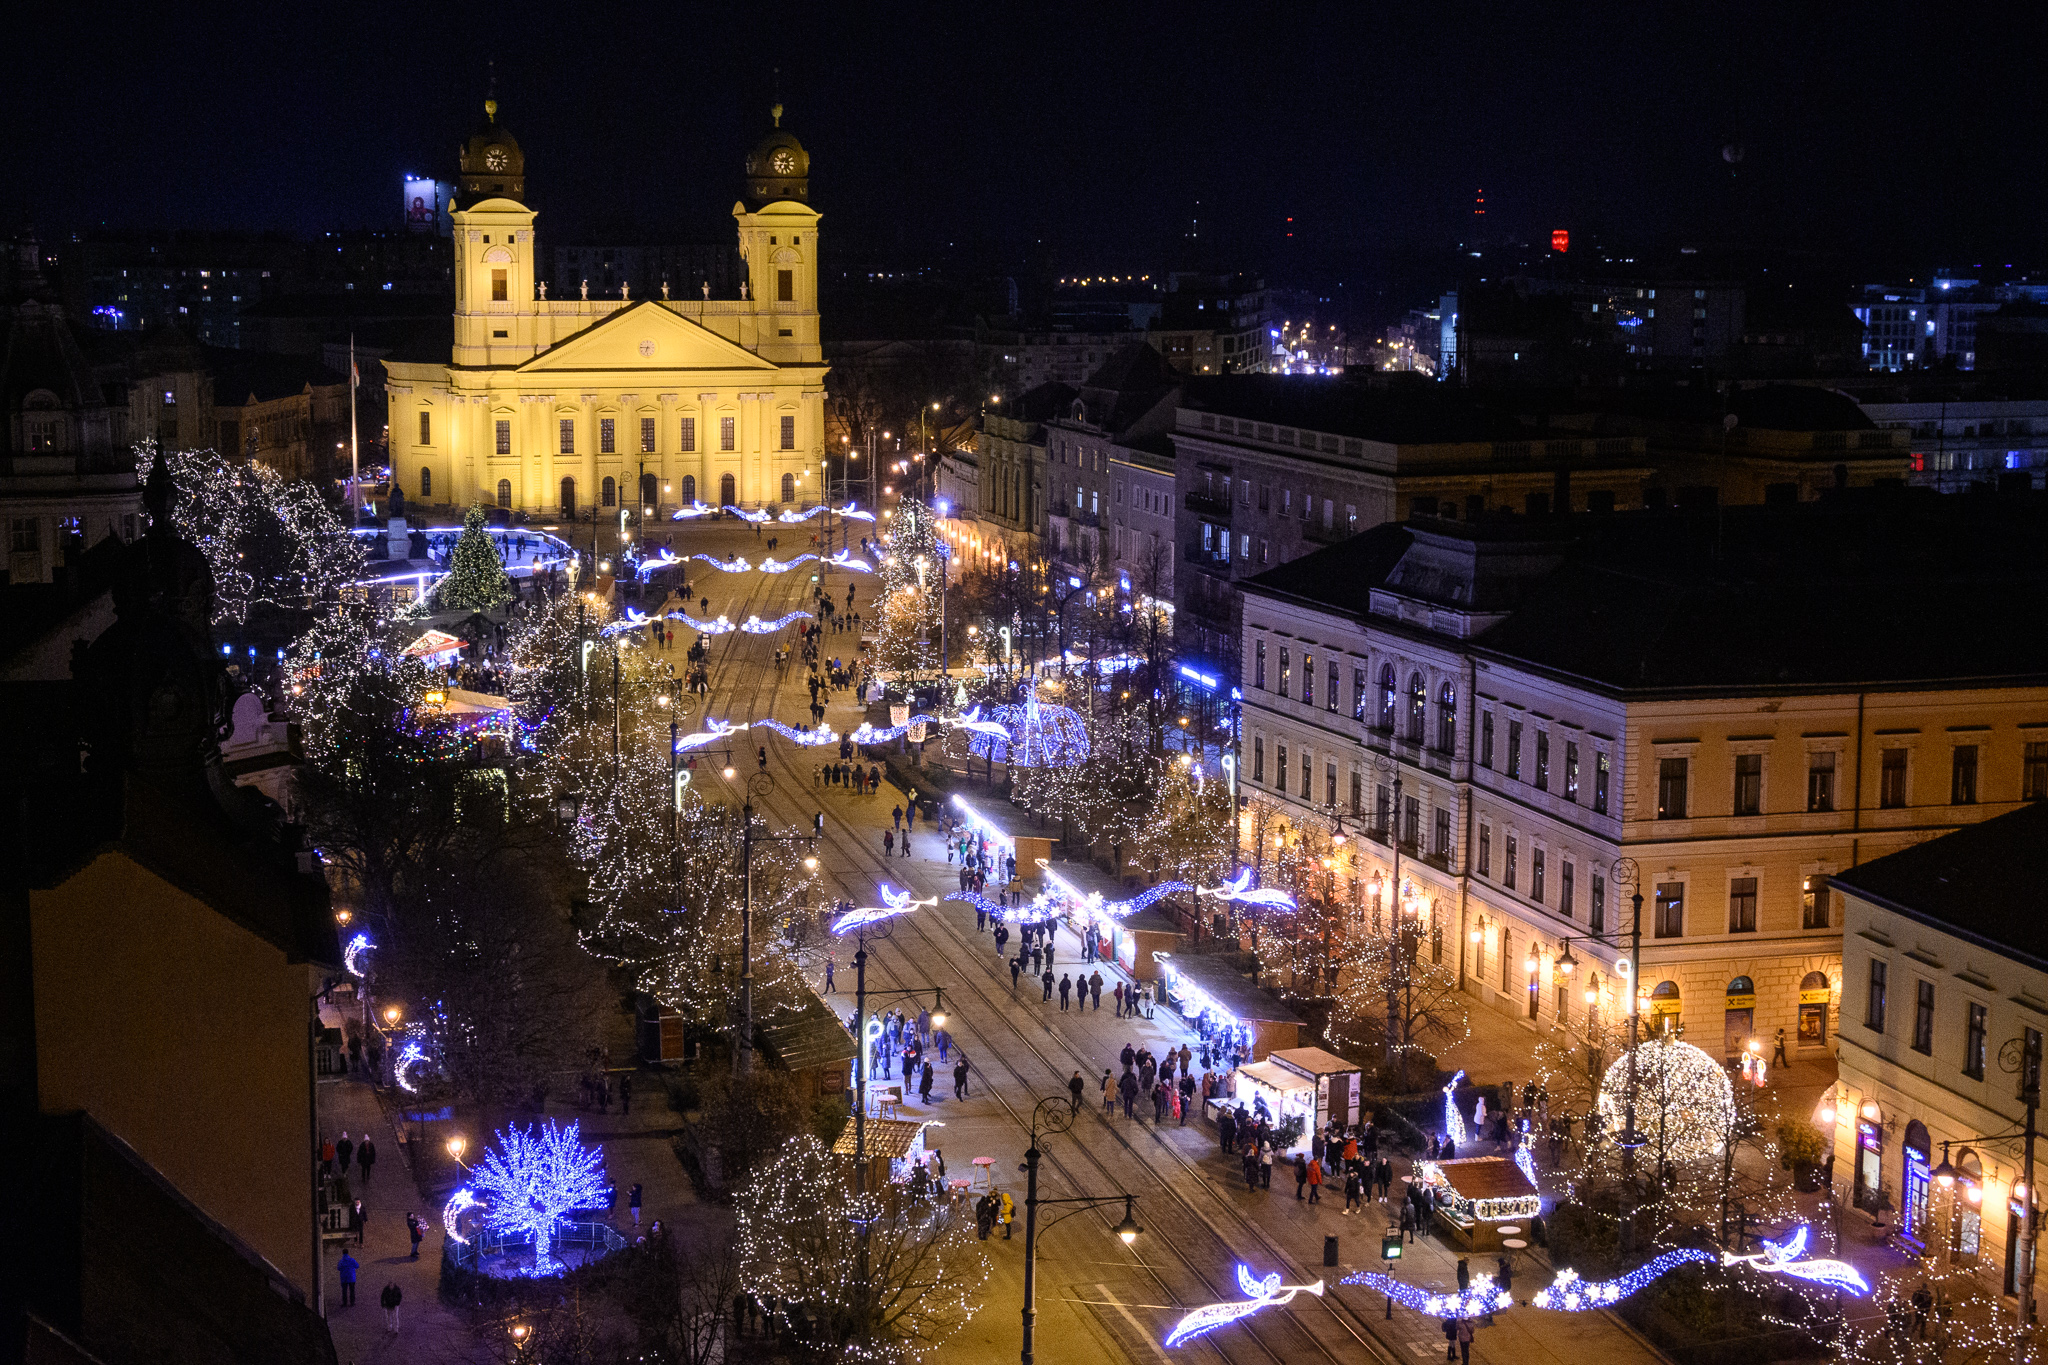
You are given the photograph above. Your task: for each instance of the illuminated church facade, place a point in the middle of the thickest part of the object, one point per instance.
(554, 405)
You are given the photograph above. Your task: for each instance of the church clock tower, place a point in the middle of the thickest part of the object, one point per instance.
(494, 249)
(778, 232)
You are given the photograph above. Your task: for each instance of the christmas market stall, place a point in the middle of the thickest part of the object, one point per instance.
(1010, 833)
(1337, 1081)
(1286, 1099)
(895, 1147)
(1478, 1198)
(1233, 1016)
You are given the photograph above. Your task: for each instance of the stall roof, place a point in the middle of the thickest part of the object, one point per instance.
(1313, 1061)
(1150, 921)
(892, 1138)
(812, 1036)
(1275, 1077)
(1088, 879)
(1486, 1177)
(1223, 984)
(1006, 817)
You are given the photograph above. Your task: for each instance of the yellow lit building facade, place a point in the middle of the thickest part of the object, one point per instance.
(553, 405)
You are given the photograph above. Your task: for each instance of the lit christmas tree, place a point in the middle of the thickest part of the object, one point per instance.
(533, 1177)
(476, 575)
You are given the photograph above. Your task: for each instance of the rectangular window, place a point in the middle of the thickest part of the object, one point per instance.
(1742, 905)
(785, 286)
(568, 436)
(646, 435)
(1814, 909)
(1383, 810)
(2034, 771)
(688, 439)
(504, 437)
(1330, 785)
(1358, 701)
(1330, 697)
(1485, 850)
(1286, 671)
(1571, 771)
(1308, 777)
(1962, 779)
(607, 436)
(1670, 922)
(426, 428)
(1749, 784)
(1259, 665)
(1507, 871)
(1873, 1008)
(1280, 767)
(1441, 845)
(1486, 739)
(726, 433)
(1891, 779)
(1411, 821)
(1973, 1041)
(1514, 748)
(1357, 792)
(1597, 917)
(26, 535)
(1671, 773)
(1543, 760)
(1258, 758)
(1600, 782)
(1308, 679)
(1820, 781)
(789, 431)
(498, 286)
(1923, 1017)
(1564, 891)
(1536, 875)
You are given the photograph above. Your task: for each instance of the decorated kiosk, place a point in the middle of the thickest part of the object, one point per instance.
(1480, 1198)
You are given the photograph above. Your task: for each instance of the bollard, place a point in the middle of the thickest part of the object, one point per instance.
(1330, 1250)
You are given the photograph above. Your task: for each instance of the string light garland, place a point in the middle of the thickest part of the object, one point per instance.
(533, 1177)
(1478, 1299)
(476, 579)
(1570, 1294)
(1454, 1121)
(1259, 1294)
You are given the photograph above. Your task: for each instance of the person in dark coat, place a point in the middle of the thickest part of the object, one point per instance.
(390, 1299)
(1127, 1087)
(1226, 1130)
(1300, 1175)
(1066, 989)
(366, 1157)
(343, 1150)
(1074, 1087)
(924, 1084)
(960, 1078)
(415, 1232)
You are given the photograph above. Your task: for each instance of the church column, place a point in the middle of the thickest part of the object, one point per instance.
(588, 492)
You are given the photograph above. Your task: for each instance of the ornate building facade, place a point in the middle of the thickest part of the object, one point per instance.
(554, 405)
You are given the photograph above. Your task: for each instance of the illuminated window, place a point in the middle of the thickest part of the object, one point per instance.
(504, 430)
(567, 429)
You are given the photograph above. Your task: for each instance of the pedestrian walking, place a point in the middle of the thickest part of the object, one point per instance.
(391, 1298)
(1187, 1097)
(1095, 989)
(888, 843)
(1119, 994)
(327, 1158)
(1300, 1175)
(906, 843)
(356, 1220)
(1066, 989)
(633, 1203)
(1265, 1165)
(347, 1267)
(1016, 971)
(1075, 1086)
(829, 965)
(366, 1157)
(924, 1084)
(960, 1078)
(1037, 957)
(1465, 1341)
(1251, 1169)
(1052, 941)
(625, 1094)
(1108, 1093)
(1354, 1191)
(1046, 981)
(343, 1150)
(1778, 1058)
(1315, 1180)
(896, 816)
(984, 1215)
(1007, 1213)
(1127, 1088)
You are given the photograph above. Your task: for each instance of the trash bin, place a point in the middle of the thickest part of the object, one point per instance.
(1330, 1250)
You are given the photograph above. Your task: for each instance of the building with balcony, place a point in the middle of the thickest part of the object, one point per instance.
(1944, 1004)
(1716, 712)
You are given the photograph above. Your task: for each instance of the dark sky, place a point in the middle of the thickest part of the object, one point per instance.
(1878, 133)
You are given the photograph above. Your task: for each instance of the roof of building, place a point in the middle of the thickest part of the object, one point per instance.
(1754, 598)
(1986, 882)
(1375, 409)
(1486, 1177)
(1313, 1061)
(892, 1138)
(1276, 1077)
(812, 1036)
(1230, 988)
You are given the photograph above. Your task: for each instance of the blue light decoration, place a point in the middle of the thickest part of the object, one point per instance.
(843, 559)
(1525, 1153)
(893, 903)
(744, 515)
(1454, 1122)
(1481, 1298)
(350, 955)
(732, 565)
(532, 1178)
(718, 730)
(1266, 1293)
(812, 739)
(971, 721)
(852, 509)
(1570, 1294)
(1037, 736)
(754, 625)
(695, 509)
(1239, 888)
(661, 559)
(1777, 1259)
(463, 1199)
(1092, 902)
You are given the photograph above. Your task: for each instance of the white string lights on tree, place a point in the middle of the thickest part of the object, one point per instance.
(1683, 1099)
(1259, 1294)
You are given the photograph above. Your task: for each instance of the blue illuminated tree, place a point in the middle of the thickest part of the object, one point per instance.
(534, 1176)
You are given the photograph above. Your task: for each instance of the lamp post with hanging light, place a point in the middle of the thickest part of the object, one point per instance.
(1055, 1114)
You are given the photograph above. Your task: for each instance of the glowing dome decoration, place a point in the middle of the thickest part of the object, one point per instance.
(532, 1178)
(351, 956)
(1039, 736)
(1266, 1293)
(1684, 1101)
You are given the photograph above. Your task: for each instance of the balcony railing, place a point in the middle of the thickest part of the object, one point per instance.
(1212, 503)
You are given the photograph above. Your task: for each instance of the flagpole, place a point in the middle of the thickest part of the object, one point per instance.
(354, 459)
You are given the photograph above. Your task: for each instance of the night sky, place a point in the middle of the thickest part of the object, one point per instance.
(1882, 136)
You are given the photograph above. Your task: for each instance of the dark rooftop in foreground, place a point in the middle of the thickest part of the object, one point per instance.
(1987, 882)
(1871, 588)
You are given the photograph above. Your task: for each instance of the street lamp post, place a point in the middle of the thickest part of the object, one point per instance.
(1627, 873)
(1055, 1114)
(1397, 962)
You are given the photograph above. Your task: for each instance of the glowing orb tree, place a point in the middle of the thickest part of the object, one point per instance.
(533, 1177)
(1685, 1103)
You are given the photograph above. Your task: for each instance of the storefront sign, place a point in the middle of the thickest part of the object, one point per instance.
(1741, 1002)
(1819, 997)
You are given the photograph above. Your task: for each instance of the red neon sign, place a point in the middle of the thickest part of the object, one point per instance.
(1560, 239)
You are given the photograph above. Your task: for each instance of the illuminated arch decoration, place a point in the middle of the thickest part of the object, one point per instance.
(1038, 736)
(1683, 1098)
(351, 956)
(893, 903)
(1259, 1294)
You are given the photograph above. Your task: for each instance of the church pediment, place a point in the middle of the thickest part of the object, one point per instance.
(646, 336)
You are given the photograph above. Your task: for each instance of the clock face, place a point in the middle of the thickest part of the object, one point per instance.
(495, 159)
(783, 162)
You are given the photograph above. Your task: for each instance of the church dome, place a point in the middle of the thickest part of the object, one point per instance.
(778, 167)
(493, 167)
